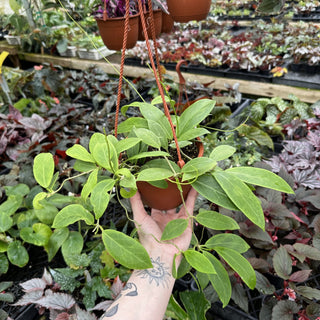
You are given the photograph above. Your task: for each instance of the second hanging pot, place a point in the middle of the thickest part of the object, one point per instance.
(188, 10)
(112, 32)
(157, 17)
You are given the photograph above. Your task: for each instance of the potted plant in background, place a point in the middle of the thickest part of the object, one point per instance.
(110, 17)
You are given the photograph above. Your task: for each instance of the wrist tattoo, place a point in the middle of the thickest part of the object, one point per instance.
(159, 273)
(130, 289)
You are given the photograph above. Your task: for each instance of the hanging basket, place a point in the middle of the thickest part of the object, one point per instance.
(167, 23)
(165, 199)
(112, 32)
(157, 17)
(188, 10)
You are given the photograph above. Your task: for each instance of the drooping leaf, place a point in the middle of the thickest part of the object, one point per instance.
(90, 184)
(17, 254)
(216, 221)
(72, 246)
(71, 214)
(227, 240)
(239, 264)
(126, 250)
(199, 261)
(79, 152)
(174, 229)
(43, 169)
(100, 196)
(282, 263)
(58, 237)
(148, 137)
(175, 311)
(209, 188)
(261, 177)
(241, 195)
(220, 280)
(195, 304)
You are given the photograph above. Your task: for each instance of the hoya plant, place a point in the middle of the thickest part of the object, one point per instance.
(143, 150)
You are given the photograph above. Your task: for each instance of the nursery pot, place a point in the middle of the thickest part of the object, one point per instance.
(112, 32)
(187, 10)
(165, 199)
(167, 23)
(157, 17)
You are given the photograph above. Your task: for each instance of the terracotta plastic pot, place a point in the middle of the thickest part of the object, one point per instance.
(164, 199)
(157, 17)
(167, 23)
(112, 32)
(188, 10)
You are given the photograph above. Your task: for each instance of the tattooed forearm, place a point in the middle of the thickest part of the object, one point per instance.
(159, 273)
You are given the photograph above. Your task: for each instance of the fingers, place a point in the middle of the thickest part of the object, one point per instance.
(139, 213)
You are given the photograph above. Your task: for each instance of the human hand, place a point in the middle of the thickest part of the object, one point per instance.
(150, 227)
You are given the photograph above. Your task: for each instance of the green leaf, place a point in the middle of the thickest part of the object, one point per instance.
(239, 264)
(79, 152)
(4, 264)
(241, 195)
(285, 310)
(38, 235)
(220, 281)
(83, 166)
(7, 297)
(58, 237)
(222, 152)
(148, 137)
(36, 200)
(3, 246)
(227, 240)
(20, 189)
(160, 132)
(72, 214)
(263, 285)
(150, 112)
(199, 261)
(102, 154)
(174, 229)
(149, 154)
(47, 213)
(6, 222)
(175, 311)
(153, 174)
(271, 6)
(195, 304)
(209, 188)
(129, 124)
(72, 246)
(126, 250)
(193, 134)
(197, 167)
(126, 144)
(11, 205)
(216, 221)
(100, 197)
(43, 169)
(261, 177)
(282, 263)
(17, 254)
(90, 184)
(194, 114)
